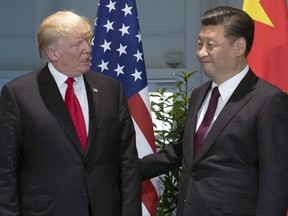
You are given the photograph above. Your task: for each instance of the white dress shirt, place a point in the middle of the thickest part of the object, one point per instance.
(79, 90)
(226, 89)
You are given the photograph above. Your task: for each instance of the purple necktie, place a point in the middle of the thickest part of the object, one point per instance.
(206, 122)
(76, 113)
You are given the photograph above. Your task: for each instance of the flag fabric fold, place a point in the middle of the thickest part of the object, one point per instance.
(269, 54)
(117, 52)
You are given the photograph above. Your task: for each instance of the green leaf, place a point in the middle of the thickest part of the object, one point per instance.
(172, 111)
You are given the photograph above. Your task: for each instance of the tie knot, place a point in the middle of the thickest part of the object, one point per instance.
(215, 93)
(70, 81)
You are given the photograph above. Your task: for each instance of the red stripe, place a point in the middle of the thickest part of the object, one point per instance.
(149, 197)
(142, 118)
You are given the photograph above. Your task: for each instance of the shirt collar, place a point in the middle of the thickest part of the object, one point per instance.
(59, 77)
(227, 88)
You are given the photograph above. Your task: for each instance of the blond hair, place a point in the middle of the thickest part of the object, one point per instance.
(61, 23)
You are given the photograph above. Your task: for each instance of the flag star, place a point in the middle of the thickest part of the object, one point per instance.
(103, 65)
(139, 36)
(127, 10)
(92, 41)
(119, 70)
(137, 75)
(91, 60)
(111, 6)
(95, 23)
(106, 46)
(256, 11)
(122, 49)
(124, 29)
(109, 25)
(138, 55)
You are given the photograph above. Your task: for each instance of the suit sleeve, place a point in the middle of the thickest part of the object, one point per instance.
(10, 145)
(272, 136)
(130, 172)
(163, 161)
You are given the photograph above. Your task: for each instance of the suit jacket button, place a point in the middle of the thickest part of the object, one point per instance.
(85, 165)
(193, 174)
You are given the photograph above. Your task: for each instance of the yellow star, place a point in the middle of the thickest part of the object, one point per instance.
(256, 11)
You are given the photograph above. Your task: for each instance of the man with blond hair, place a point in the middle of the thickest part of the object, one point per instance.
(49, 164)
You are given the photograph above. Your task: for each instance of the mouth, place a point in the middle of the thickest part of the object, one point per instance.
(86, 61)
(204, 61)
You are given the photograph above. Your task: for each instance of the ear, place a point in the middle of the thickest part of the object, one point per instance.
(240, 46)
(52, 54)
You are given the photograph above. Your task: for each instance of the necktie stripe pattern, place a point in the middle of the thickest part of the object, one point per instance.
(206, 122)
(76, 113)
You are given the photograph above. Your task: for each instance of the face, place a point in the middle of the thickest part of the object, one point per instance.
(220, 58)
(72, 56)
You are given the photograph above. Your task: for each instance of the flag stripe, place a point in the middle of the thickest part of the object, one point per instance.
(142, 118)
(149, 196)
(141, 142)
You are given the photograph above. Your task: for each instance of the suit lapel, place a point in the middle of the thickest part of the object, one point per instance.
(237, 101)
(55, 104)
(92, 88)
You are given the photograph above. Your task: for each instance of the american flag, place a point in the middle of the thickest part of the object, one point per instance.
(117, 52)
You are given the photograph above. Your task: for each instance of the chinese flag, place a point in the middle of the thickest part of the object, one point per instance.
(269, 55)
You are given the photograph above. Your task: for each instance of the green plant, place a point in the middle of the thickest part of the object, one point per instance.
(171, 111)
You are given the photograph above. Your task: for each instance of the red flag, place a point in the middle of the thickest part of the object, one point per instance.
(269, 55)
(117, 52)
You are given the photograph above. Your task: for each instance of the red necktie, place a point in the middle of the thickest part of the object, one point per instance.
(76, 114)
(206, 122)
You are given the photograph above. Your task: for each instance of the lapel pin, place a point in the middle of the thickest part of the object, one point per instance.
(95, 90)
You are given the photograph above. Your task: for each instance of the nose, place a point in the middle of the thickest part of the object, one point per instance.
(202, 51)
(87, 46)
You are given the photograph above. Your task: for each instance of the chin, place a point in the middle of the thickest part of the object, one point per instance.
(209, 74)
(85, 69)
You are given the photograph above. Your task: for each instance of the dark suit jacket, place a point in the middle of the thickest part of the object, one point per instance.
(43, 171)
(242, 168)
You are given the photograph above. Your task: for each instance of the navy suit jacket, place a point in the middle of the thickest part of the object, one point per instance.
(43, 170)
(242, 167)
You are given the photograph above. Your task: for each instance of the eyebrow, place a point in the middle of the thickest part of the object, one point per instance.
(206, 38)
